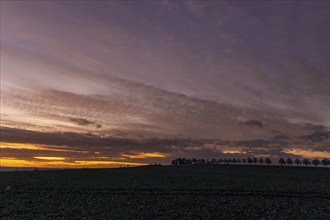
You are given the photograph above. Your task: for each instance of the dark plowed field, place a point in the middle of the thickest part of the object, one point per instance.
(168, 192)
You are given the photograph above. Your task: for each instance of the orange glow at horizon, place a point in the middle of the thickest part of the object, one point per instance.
(307, 153)
(233, 152)
(13, 162)
(22, 146)
(144, 155)
(28, 146)
(50, 158)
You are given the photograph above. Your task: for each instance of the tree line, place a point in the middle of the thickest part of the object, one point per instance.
(252, 160)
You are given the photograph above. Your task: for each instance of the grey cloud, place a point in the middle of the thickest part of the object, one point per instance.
(80, 146)
(260, 143)
(143, 109)
(316, 136)
(253, 123)
(281, 137)
(81, 121)
(90, 142)
(245, 57)
(254, 67)
(314, 127)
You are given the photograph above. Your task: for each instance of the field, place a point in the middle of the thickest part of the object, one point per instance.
(168, 192)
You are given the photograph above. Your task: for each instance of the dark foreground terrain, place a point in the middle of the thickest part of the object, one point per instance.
(168, 192)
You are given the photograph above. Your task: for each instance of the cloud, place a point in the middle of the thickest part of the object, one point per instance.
(206, 69)
(317, 136)
(307, 153)
(253, 123)
(310, 126)
(261, 143)
(81, 121)
(137, 109)
(89, 142)
(35, 145)
(281, 137)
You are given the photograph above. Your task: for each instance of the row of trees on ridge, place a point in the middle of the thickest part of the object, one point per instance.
(254, 160)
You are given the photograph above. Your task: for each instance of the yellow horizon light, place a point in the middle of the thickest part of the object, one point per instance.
(50, 158)
(13, 162)
(233, 152)
(307, 153)
(100, 162)
(4, 145)
(144, 155)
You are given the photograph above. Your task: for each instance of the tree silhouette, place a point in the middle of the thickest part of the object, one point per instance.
(316, 162)
(175, 162)
(297, 161)
(306, 162)
(182, 160)
(325, 162)
(281, 161)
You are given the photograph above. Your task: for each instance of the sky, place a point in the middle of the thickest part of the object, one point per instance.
(117, 83)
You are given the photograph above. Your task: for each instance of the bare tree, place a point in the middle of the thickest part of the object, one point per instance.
(325, 162)
(306, 162)
(316, 162)
(281, 161)
(297, 161)
(289, 161)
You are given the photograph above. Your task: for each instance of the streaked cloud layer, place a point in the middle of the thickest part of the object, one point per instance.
(142, 82)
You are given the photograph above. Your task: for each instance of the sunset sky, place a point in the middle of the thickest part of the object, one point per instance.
(111, 83)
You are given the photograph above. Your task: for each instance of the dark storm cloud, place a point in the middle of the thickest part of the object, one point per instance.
(253, 123)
